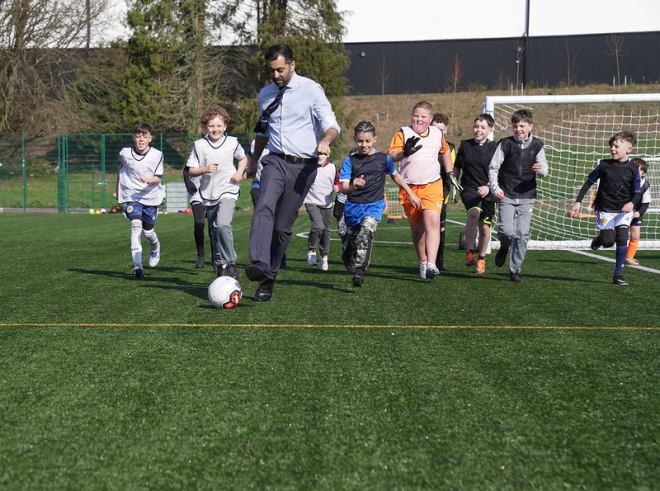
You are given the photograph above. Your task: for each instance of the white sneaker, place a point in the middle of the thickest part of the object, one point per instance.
(631, 261)
(323, 265)
(422, 268)
(311, 258)
(154, 257)
(431, 271)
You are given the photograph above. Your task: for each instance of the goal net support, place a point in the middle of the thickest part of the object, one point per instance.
(575, 130)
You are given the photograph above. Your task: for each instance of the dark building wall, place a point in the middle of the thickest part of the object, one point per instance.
(427, 66)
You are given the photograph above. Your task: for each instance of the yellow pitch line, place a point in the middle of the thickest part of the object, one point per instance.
(346, 326)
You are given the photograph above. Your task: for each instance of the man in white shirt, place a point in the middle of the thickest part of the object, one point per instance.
(294, 110)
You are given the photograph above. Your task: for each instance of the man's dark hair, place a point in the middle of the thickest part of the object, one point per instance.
(274, 52)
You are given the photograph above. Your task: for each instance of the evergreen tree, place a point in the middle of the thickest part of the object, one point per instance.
(313, 28)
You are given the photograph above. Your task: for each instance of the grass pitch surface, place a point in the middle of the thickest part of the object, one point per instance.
(465, 382)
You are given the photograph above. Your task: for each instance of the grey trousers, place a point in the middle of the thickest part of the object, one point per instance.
(222, 234)
(513, 229)
(319, 234)
(282, 190)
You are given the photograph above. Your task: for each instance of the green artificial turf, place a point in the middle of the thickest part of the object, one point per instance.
(465, 382)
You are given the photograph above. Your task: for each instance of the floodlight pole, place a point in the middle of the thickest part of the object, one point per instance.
(525, 45)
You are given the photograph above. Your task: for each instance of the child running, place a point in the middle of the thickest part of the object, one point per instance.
(362, 178)
(512, 173)
(618, 195)
(318, 204)
(636, 224)
(472, 161)
(139, 189)
(417, 147)
(441, 121)
(212, 158)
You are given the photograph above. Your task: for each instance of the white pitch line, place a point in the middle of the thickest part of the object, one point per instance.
(610, 260)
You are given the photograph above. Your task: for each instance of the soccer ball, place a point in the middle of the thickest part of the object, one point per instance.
(225, 292)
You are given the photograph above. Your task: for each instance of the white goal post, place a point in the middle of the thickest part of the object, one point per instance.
(575, 130)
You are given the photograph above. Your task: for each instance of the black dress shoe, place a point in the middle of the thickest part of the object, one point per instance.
(258, 271)
(265, 291)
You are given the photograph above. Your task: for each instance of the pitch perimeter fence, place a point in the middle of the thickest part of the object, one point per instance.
(73, 172)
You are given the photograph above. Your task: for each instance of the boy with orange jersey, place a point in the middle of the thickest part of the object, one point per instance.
(417, 147)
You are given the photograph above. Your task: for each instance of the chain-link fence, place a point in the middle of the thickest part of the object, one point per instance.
(75, 172)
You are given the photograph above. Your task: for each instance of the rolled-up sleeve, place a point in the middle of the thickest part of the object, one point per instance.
(323, 110)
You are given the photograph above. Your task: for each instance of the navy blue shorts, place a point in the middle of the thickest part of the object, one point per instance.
(136, 211)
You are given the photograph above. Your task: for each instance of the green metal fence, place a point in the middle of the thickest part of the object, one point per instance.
(74, 172)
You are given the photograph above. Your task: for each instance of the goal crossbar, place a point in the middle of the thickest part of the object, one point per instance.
(575, 130)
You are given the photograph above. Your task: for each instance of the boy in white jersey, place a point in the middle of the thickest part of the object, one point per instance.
(417, 147)
(212, 158)
(318, 203)
(139, 189)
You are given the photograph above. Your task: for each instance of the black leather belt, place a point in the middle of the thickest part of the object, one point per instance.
(292, 159)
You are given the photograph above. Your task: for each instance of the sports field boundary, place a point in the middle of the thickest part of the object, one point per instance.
(336, 326)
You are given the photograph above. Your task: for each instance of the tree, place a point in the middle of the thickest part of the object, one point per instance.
(453, 79)
(571, 63)
(615, 49)
(36, 59)
(313, 28)
(174, 70)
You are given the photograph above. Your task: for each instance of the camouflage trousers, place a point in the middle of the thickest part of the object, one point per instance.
(356, 244)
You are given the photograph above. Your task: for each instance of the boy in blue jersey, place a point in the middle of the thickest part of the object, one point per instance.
(362, 178)
(617, 197)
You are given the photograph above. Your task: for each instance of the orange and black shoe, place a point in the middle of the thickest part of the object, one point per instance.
(469, 259)
(481, 266)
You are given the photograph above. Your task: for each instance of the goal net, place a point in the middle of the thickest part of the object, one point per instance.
(575, 130)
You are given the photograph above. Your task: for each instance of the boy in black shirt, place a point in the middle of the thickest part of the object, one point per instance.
(618, 195)
(471, 165)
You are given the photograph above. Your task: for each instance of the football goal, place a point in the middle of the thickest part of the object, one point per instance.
(575, 130)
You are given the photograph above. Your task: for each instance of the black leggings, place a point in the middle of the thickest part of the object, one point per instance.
(199, 214)
(608, 237)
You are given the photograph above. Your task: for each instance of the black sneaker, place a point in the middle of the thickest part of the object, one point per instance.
(222, 271)
(500, 257)
(516, 277)
(200, 261)
(264, 291)
(358, 278)
(232, 270)
(596, 244)
(138, 274)
(619, 280)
